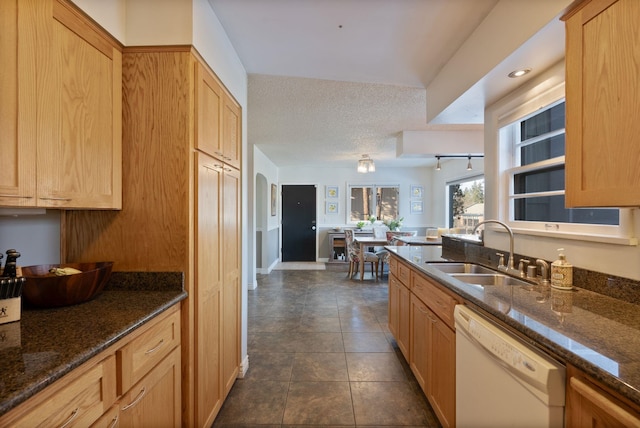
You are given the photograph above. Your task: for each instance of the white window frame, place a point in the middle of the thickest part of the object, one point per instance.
(373, 186)
(621, 234)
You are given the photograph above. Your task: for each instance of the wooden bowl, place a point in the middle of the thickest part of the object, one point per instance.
(47, 290)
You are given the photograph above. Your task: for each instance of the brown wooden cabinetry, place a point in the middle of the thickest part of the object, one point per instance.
(590, 404)
(98, 393)
(432, 347)
(63, 109)
(421, 320)
(602, 93)
(181, 212)
(399, 308)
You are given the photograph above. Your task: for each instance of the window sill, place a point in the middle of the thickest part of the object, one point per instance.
(604, 239)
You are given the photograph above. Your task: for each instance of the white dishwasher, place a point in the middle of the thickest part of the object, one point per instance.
(501, 381)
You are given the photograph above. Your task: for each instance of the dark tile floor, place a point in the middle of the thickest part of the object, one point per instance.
(320, 353)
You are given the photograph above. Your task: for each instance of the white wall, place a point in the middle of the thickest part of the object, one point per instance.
(343, 177)
(619, 260)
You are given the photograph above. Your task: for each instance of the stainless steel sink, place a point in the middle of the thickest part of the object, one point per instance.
(488, 279)
(455, 267)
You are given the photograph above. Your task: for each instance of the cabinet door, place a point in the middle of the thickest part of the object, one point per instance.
(590, 406)
(602, 93)
(400, 314)
(441, 373)
(207, 290)
(231, 132)
(79, 110)
(17, 105)
(208, 117)
(231, 265)
(419, 349)
(155, 401)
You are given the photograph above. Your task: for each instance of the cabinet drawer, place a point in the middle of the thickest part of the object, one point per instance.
(440, 302)
(400, 270)
(139, 356)
(79, 403)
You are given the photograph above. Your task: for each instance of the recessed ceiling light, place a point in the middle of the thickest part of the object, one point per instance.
(519, 73)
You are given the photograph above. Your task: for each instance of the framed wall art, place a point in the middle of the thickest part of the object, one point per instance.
(331, 207)
(416, 207)
(331, 192)
(416, 191)
(274, 199)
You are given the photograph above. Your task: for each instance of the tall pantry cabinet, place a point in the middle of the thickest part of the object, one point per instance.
(181, 211)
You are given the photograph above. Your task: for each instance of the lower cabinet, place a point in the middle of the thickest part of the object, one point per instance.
(91, 394)
(421, 320)
(432, 359)
(155, 400)
(399, 304)
(592, 405)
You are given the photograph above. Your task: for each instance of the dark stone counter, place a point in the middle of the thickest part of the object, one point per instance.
(597, 333)
(46, 344)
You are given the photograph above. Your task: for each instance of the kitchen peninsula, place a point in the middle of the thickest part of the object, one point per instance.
(596, 336)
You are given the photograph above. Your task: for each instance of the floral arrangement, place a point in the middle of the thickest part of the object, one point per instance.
(360, 224)
(372, 219)
(394, 224)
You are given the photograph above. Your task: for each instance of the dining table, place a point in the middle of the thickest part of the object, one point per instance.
(365, 242)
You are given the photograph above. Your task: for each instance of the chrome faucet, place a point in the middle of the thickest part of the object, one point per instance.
(510, 269)
(544, 271)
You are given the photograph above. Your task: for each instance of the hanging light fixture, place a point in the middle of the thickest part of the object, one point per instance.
(438, 166)
(469, 166)
(366, 165)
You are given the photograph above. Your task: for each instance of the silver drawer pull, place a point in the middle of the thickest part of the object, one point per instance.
(141, 394)
(74, 415)
(57, 199)
(114, 421)
(155, 348)
(16, 196)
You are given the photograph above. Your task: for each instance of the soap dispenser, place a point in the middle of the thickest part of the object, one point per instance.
(562, 272)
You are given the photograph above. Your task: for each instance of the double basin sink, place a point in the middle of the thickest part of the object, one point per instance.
(475, 274)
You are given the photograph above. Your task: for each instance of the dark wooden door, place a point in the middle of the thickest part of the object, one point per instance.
(299, 223)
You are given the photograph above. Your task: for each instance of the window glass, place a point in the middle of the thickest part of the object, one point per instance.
(538, 172)
(466, 203)
(379, 201)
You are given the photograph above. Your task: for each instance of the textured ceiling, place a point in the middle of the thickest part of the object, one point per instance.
(330, 80)
(331, 121)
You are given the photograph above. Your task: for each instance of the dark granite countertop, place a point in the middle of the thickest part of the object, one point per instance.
(596, 333)
(46, 344)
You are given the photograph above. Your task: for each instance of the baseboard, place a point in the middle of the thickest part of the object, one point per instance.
(244, 367)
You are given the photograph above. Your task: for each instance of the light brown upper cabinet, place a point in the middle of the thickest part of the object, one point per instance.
(17, 82)
(603, 104)
(220, 134)
(64, 148)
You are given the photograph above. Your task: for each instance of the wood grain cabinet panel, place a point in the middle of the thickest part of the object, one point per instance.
(399, 313)
(155, 400)
(17, 104)
(208, 289)
(77, 400)
(181, 212)
(591, 405)
(602, 104)
(141, 354)
(62, 95)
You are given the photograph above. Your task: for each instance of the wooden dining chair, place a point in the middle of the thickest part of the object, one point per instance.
(354, 256)
(383, 255)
